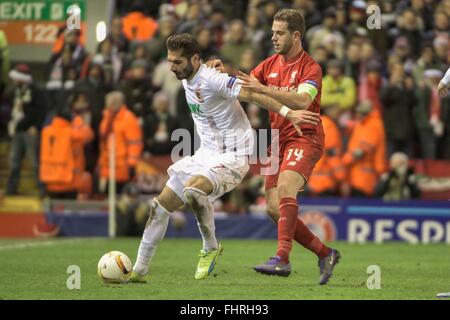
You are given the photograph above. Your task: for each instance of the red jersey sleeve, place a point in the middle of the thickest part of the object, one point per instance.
(313, 76)
(258, 73)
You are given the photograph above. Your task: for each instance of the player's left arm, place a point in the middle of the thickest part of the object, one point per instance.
(227, 87)
(297, 100)
(297, 117)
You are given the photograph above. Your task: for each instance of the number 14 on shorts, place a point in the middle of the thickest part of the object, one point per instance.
(294, 152)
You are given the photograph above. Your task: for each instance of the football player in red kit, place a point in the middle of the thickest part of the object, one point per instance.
(293, 78)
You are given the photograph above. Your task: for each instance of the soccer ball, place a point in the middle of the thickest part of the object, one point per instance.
(114, 267)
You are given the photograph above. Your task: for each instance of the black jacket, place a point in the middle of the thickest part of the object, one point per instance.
(34, 106)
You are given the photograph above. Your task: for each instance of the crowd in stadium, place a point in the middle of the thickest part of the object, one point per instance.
(379, 99)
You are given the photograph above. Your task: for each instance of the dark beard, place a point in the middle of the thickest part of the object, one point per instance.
(186, 73)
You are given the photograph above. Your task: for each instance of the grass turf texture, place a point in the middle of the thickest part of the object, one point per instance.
(37, 270)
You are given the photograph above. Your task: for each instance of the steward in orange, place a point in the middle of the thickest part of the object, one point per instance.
(127, 131)
(365, 157)
(329, 171)
(137, 26)
(62, 162)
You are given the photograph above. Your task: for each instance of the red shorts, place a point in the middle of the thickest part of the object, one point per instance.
(299, 155)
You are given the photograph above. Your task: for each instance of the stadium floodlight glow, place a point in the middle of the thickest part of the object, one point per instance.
(101, 31)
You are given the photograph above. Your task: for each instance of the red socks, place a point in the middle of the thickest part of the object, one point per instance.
(286, 227)
(291, 227)
(307, 239)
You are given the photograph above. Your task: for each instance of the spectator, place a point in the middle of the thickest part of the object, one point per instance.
(110, 61)
(326, 34)
(158, 126)
(27, 116)
(379, 38)
(65, 70)
(310, 12)
(321, 56)
(338, 90)
(62, 166)
(119, 41)
(352, 63)
(398, 101)
(81, 106)
(365, 155)
(137, 89)
(204, 39)
(402, 50)
(425, 61)
(429, 114)
(255, 30)
(96, 89)
(4, 62)
(410, 26)
(166, 80)
(72, 52)
(424, 12)
(441, 47)
(137, 26)
(400, 182)
(192, 19)
(157, 46)
(441, 25)
(236, 43)
(121, 122)
(389, 14)
(139, 51)
(217, 25)
(370, 85)
(329, 172)
(357, 24)
(248, 60)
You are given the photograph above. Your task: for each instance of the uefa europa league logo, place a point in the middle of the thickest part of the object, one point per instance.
(73, 22)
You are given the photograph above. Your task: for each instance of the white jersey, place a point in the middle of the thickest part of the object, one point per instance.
(221, 123)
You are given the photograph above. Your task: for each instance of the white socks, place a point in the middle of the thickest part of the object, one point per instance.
(204, 212)
(153, 234)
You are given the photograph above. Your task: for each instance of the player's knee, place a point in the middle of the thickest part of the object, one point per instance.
(272, 211)
(192, 193)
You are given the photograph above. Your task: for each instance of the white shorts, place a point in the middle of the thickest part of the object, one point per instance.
(224, 170)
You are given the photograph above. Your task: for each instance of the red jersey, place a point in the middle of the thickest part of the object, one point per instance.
(283, 75)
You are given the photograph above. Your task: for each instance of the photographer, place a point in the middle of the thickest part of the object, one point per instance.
(400, 182)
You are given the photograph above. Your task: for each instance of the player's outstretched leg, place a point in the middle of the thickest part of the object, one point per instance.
(154, 232)
(204, 212)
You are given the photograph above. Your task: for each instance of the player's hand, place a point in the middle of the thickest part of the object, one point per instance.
(250, 82)
(299, 117)
(442, 90)
(216, 64)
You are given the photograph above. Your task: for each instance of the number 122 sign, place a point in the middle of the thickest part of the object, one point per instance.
(36, 22)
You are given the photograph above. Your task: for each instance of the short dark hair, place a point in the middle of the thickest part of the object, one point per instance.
(294, 19)
(184, 42)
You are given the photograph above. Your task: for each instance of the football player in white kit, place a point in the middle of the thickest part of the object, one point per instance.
(221, 162)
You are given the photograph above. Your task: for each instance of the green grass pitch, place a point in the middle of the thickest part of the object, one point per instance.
(37, 270)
